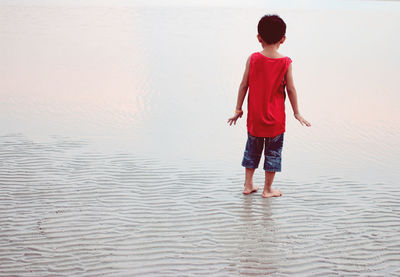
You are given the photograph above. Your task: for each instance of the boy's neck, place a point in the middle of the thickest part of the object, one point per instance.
(270, 47)
(271, 50)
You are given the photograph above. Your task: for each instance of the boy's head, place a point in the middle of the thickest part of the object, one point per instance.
(271, 29)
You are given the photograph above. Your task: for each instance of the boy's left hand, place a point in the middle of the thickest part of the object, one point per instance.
(234, 118)
(302, 120)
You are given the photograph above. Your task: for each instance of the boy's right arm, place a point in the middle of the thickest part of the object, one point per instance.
(244, 85)
(291, 90)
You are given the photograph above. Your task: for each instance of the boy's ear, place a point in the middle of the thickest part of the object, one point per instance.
(282, 40)
(259, 38)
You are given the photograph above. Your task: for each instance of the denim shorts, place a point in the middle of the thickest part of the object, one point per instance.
(272, 152)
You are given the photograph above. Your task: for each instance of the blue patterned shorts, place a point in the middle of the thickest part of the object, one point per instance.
(272, 151)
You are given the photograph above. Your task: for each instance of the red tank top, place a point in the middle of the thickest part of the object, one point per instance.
(266, 100)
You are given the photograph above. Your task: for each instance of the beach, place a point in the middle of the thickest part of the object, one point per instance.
(116, 158)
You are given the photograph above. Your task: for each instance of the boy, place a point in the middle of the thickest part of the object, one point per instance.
(266, 75)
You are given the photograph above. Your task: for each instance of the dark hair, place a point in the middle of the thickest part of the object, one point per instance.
(271, 28)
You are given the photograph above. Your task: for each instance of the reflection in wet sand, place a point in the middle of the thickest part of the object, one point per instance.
(258, 249)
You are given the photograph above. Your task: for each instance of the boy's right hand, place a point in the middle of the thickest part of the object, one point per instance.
(234, 118)
(302, 120)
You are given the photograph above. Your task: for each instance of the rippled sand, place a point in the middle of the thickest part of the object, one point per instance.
(68, 211)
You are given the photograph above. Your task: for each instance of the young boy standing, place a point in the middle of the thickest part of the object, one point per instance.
(266, 75)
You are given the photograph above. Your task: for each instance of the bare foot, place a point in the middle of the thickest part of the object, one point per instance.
(272, 193)
(248, 191)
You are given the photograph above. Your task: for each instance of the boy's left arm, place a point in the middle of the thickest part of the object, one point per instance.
(244, 85)
(291, 90)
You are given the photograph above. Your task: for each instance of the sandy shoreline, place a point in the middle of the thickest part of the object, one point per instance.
(67, 211)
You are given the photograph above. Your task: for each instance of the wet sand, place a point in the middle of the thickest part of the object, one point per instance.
(68, 211)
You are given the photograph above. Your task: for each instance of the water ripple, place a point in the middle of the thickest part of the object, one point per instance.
(68, 210)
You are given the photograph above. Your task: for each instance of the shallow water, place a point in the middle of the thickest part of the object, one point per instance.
(116, 159)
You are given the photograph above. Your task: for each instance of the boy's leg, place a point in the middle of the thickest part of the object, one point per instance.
(272, 164)
(248, 184)
(251, 159)
(268, 190)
